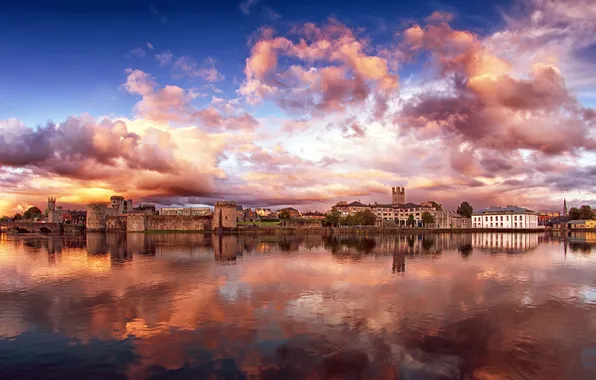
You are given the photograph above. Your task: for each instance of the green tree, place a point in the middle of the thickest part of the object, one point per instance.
(332, 218)
(411, 221)
(427, 218)
(17, 216)
(465, 209)
(284, 214)
(32, 212)
(586, 212)
(349, 220)
(367, 217)
(573, 213)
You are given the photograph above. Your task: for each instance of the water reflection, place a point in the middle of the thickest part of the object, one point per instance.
(373, 307)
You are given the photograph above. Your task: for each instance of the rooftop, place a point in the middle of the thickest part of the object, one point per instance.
(504, 210)
(357, 204)
(577, 221)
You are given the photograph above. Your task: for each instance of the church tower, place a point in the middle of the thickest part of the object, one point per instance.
(51, 204)
(564, 207)
(398, 195)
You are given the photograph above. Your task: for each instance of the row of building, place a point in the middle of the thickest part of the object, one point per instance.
(399, 213)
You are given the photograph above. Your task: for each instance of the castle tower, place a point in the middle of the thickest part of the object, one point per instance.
(118, 204)
(51, 204)
(564, 207)
(398, 195)
(224, 215)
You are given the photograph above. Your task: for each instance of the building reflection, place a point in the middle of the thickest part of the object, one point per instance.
(420, 244)
(96, 244)
(118, 248)
(399, 262)
(576, 241)
(226, 247)
(506, 242)
(299, 308)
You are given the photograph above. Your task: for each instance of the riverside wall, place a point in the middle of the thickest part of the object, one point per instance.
(178, 223)
(116, 223)
(277, 230)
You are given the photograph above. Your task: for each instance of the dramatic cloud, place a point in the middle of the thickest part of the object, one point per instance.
(318, 115)
(333, 72)
(174, 104)
(486, 104)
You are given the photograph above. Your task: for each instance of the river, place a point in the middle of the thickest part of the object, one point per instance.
(448, 306)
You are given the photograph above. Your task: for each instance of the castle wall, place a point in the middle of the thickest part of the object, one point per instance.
(136, 223)
(224, 213)
(116, 223)
(178, 223)
(96, 217)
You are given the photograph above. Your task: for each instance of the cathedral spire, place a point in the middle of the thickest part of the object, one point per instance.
(564, 207)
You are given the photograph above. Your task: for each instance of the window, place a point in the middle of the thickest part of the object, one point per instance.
(486, 218)
(515, 224)
(501, 219)
(491, 218)
(507, 217)
(501, 223)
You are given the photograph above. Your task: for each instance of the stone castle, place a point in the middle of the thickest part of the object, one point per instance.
(120, 216)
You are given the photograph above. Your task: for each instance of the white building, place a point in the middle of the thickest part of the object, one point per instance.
(510, 217)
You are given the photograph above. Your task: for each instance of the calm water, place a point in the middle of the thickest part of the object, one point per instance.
(477, 306)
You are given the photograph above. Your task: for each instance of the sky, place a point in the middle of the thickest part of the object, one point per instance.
(277, 103)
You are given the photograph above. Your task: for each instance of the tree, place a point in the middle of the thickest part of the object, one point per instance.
(586, 212)
(332, 218)
(367, 217)
(16, 217)
(32, 212)
(573, 213)
(436, 205)
(284, 214)
(465, 209)
(427, 218)
(411, 221)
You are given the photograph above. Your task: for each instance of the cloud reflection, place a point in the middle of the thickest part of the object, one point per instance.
(303, 305)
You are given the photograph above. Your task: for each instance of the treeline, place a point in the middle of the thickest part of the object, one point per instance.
(585, 212)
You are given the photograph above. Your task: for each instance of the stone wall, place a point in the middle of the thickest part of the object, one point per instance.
(116, 223)
(136, 223)
(178, 223)
(224, 213)
(96, 216)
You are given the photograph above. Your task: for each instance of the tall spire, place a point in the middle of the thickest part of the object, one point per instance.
(564, 207)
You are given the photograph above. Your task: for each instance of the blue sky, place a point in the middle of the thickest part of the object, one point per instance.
(69, 57)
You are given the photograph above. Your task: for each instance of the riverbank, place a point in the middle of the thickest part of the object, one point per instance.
(278, 230)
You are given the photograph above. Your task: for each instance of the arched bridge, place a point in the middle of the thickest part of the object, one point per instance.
(30, 227)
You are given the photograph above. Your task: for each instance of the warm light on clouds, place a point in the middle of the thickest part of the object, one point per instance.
(317, 113)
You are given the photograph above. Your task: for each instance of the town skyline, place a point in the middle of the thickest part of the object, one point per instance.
(393, 200)
(298, 106)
